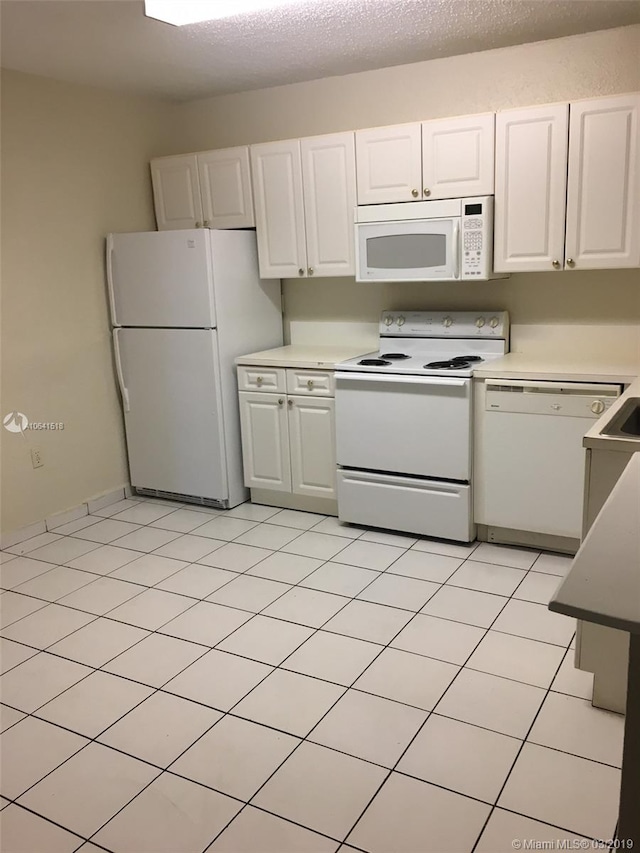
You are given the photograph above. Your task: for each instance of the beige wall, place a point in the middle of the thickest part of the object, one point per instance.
(74, 167)
(583, 66)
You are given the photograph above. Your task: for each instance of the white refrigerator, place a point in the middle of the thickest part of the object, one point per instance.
(184, 304)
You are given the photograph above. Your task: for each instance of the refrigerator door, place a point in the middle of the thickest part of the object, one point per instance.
(161, 278)
(170, 382)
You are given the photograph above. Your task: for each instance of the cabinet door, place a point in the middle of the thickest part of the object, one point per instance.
(277, 190)
(176, 192)
(225, 184)
(603, 194)
(389, 164)
(329, 180)
(458, 156)
(531, 180)
(312, 446)
(265, 441)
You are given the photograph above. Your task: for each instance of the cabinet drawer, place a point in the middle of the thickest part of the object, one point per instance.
(269, 379)
(319, 383)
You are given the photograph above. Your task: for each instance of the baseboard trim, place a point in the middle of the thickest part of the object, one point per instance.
(287, 500)
(15, 537)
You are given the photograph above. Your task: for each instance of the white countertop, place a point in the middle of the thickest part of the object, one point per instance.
(577, 368)
(594, 438)
(603, 584)
(296, 355)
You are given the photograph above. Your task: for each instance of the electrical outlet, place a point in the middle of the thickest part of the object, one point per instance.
(37, 459)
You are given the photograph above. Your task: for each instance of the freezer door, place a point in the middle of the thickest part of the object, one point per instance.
(161, 278)
(173, 416)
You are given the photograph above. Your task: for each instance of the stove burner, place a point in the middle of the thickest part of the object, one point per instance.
(374, 362)
(448, 365)
(396, 356)
(467, 358)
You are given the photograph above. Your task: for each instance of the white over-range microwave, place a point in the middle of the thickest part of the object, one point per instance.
(449, 240)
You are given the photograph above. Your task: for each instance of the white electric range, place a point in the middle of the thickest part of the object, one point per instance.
(404, 422)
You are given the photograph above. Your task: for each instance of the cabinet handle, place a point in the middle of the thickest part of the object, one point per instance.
(426, 191)
(415, 193)
(280, 402)
(198, 224)
(310, 384)
(571, 262)
(205, 224)
(556, 264)
(290, 403)
(300, 271)
(259, 380)
(310, 270)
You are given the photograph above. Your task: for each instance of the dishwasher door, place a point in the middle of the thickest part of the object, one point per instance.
(530, 459)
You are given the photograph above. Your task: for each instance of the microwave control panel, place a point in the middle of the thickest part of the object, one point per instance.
(476, 249)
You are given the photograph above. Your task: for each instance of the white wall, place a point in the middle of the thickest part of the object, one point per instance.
(74, 167)
(583, 66)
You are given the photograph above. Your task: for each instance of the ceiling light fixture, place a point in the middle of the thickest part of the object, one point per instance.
(181, 12)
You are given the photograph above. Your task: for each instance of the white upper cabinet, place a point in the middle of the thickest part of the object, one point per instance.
(277, 184)
(329, 182)
(457, 156)
(389, 164)
(305, 196)
(530, 191)
(603, 195)
(176, 192)
(211, 189)
(225, 186)
(444, 158)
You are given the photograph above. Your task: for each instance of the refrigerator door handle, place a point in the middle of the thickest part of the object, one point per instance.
(123, 388)
(109, 258)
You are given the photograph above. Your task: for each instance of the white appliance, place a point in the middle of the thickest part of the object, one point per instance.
(184, 304)
(450, 240)
(404, 422)
(531, 461)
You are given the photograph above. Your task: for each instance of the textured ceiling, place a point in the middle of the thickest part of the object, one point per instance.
(110, 43)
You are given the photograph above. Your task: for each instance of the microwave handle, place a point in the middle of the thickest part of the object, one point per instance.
(456, 249)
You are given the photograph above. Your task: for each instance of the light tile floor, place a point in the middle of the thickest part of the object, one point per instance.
(184, 680)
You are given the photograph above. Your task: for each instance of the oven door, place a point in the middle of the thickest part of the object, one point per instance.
(413, 250)
(415, 425)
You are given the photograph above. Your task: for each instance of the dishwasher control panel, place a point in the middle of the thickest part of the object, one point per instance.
(566, 399)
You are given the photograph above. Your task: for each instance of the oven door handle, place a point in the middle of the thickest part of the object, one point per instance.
(399, 379)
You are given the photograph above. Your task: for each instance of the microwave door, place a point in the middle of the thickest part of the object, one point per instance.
(415, 250)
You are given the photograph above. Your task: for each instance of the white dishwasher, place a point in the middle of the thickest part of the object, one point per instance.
(529, 455)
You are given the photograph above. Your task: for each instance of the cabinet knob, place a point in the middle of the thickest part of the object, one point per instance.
(259, 380)
(310, 384)
(198, 224)
(555, 264)
(290, 403)
(205, 224)
(415, 193)
(310, 270)
(300, 271)
(571, 262)
(426, 191)
(281, 401)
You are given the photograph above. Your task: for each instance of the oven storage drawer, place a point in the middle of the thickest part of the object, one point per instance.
(426, 507)
(404, 424)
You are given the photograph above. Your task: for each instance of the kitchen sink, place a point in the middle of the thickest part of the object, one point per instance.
(626, 424)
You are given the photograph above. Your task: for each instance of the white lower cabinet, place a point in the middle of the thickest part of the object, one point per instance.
(265, 441)
(312, 446)
(288, 440)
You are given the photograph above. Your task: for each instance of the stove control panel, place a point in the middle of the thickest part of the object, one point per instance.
(445, 324)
